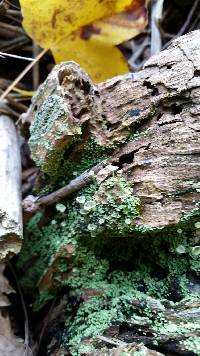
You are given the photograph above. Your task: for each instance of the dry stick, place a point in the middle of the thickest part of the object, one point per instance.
(137, 53)
(189, 18)
(13, 12)
(11, 45)
(14, 6)
(11, 28)
(5, 34)
(22, 74)
(195, 24)
(13, 18)
(156, 16)
(17, 105)
(10, 185)
(32, 204)
(4, 54)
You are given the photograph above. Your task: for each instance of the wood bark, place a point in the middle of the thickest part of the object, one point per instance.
(10, 183)
(162, 101)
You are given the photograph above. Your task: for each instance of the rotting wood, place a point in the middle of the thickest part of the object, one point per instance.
(139, 331)
(152, 303)
(10, 195)
(162, 101)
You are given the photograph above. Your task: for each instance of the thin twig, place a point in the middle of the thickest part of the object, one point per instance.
(194, 24)
(19, 106)
(11, 28)
(28, 172)
(14, 6)
(189, 18)
(185, 25)
(13, 12)
(4, 54)
(7, 46)
(137, 53)
(13, 18)
(32, 204)
(22, 74)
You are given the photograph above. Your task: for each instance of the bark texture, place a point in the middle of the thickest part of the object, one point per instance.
(162, 102)
(10, 196)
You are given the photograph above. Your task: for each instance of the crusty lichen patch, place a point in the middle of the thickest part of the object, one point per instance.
(52, 116)
(109, 270)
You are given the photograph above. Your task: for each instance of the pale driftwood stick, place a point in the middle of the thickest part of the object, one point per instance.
(32, 204)
(10, 189)
(156, 16)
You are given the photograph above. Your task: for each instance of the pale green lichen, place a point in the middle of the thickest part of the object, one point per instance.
(180, 249)
(193, 344)
(105, 236)
(60, 207)
(52, 110)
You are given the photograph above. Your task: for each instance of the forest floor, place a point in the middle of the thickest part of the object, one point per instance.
(148, 290)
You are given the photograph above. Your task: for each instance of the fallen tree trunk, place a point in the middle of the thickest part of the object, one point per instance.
(10, 183)
(127, 245)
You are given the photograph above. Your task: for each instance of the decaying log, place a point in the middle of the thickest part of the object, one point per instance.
(125, 283)
(10, 189)
(161, 103)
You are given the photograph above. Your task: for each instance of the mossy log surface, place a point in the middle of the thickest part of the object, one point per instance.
(124, 251)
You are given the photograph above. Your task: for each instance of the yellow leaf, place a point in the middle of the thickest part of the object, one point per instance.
(85, 31)
(48, 21)
(101, 62)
